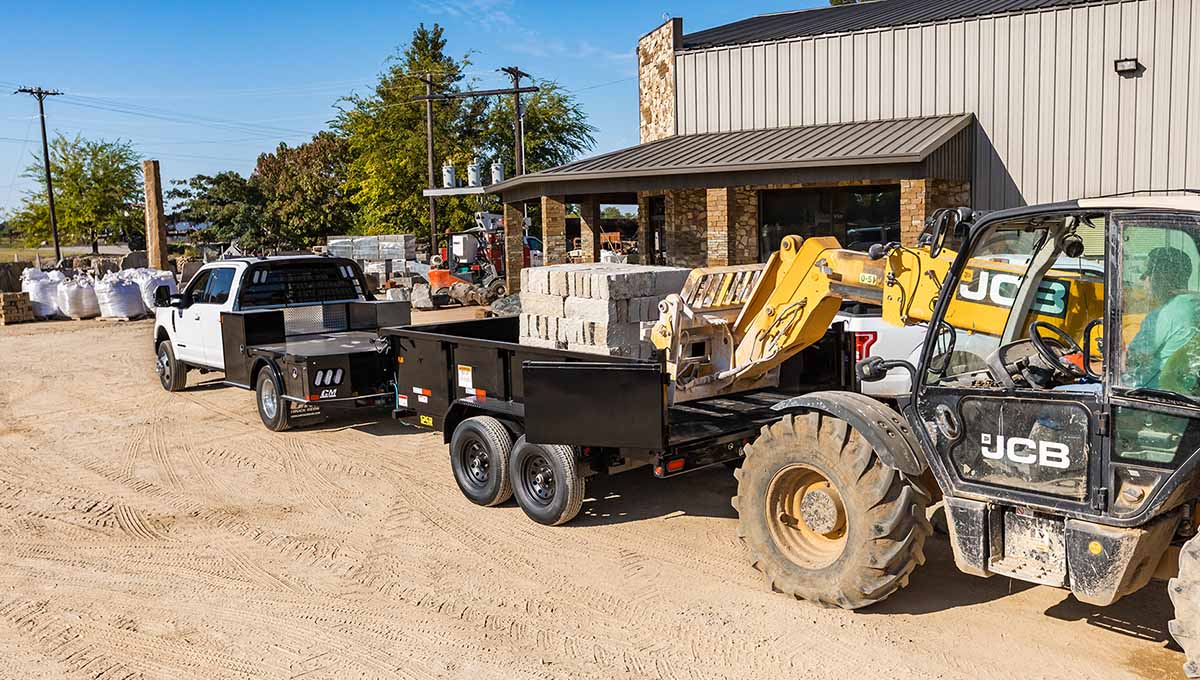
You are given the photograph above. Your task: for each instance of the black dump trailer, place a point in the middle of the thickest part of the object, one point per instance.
(306, 360)
(535, 423)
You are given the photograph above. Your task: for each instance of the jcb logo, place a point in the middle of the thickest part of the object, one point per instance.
(1026, 451)
(325, 394)
(1000, 289)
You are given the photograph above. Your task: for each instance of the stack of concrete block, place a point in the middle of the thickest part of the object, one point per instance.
(15, 308)
(596, 308)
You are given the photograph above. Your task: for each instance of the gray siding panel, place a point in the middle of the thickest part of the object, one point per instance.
(1054, 120)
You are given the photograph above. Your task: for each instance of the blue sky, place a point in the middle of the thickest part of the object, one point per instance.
(214, 83)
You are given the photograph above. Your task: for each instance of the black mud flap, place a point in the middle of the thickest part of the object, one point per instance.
(595, 404)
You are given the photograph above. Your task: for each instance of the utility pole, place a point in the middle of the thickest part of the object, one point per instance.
(40, 94)
(428, 80)
(518, 129)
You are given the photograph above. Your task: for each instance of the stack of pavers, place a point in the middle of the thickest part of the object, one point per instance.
(15, 308)
(596, 308)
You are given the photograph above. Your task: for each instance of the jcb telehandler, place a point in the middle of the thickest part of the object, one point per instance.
(1055, 410)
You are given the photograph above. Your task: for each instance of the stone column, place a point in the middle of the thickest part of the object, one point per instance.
(554, 229)
(645, 239)
(514, 246)
(743, 226)
(919, 198)
(589, 229)
(720, 214)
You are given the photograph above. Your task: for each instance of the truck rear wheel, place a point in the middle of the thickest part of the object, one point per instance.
(273, 409)
(548, 482)
(479, 451)
(824, 518)
(1184, 590)
(172, 373)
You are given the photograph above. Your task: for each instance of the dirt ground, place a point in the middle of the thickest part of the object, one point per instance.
(147, 534)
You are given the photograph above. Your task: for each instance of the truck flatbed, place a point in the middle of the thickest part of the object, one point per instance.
(321, 344)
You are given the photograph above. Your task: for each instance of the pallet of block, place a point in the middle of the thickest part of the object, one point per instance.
(15, 308)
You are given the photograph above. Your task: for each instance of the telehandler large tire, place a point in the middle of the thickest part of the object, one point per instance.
(1184, 590)
(824, 518)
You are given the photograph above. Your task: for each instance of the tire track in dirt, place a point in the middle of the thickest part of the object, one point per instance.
(160, 451)
(305, 480)
(63, 643)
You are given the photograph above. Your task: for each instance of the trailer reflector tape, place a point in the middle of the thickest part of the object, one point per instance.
(421, 391)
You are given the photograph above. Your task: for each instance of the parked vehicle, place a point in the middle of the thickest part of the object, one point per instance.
(301, 331)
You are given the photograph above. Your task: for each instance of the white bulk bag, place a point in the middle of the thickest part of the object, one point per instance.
(43, 293)
(77, 298)
(148, 280)
(119, 298)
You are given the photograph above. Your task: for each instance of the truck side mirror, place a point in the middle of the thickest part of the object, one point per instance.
(162, 296)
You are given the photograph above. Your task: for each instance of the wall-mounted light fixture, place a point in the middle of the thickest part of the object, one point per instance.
(1129, 66)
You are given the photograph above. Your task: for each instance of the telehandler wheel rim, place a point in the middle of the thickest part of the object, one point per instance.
(806, 516)
(268, 400)
(538, 479)
(476, 462)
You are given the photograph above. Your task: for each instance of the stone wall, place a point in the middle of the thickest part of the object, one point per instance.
(656, 80)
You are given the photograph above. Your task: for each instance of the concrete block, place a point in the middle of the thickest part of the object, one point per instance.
(592, 309)
(541, 304)
(616, 335)
(570, 330)
(644, 308)
(669, 280)
(535, 280)
(558, 282)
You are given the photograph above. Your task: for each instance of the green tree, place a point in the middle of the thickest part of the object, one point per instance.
(97, 193)
(385, 132)
(232, 207)
(304, 189)
(556, 129)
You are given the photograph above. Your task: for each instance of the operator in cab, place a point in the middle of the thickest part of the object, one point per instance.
(1170, 326)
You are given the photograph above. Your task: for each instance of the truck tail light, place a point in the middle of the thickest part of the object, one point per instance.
(863, 342)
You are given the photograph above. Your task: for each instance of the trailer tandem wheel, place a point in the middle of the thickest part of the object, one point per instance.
(479, 451)
(548, 481)
(824, 518)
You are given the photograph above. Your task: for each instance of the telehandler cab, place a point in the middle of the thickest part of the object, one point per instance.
(1055, 410)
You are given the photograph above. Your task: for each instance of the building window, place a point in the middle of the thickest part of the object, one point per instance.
(857, 216)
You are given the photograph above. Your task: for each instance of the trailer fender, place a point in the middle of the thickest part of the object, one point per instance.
(883, 427)
(512, 415)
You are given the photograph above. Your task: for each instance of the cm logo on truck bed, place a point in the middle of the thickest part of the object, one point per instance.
(999, 289)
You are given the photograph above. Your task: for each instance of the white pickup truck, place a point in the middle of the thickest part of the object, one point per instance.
(874, 337)
(302, 331)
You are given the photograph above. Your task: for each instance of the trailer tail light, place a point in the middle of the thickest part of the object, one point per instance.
(328, 377)
(863, 342)
(675, 465)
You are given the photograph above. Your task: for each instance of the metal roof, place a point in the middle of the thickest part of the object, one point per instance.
(903, 140)
(846, 18)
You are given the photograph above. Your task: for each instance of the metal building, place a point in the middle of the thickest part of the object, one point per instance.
(772, 125)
